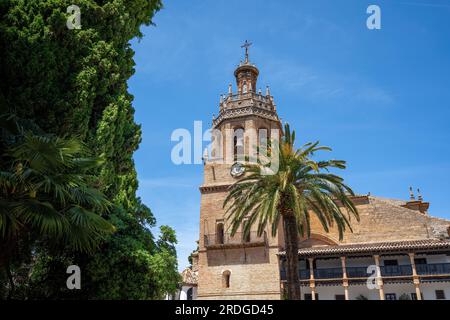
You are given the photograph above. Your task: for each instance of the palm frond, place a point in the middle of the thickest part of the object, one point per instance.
(301, 187)
(47, 190)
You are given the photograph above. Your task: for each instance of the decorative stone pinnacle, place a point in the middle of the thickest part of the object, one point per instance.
(419, 196)
(205, 156)
(411, 194)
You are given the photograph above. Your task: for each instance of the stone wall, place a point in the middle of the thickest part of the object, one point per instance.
(254, 274)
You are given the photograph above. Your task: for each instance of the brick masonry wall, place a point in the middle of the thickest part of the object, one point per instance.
(253, 274)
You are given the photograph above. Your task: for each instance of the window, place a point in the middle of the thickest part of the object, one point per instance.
(308, 296)
(226, 279)
(339, 297)
(283, 270)
(413, 296)
(390, 296)
(440, 295)
(263, 138)
(189, 294)
(238, 144)
(219, 233)
(390, 262)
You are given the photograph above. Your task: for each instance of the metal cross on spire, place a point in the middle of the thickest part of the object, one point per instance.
(246, 45)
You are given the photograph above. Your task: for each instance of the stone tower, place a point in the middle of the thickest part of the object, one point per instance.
(230, 266)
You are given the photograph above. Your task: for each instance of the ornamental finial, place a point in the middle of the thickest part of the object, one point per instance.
(246, 45)
(411, 194)
(419, 196)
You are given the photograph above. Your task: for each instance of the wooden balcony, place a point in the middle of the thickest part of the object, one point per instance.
(437, 270)
(433, 271)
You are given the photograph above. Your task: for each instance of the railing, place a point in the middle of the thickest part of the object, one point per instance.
(328, 273)
(396, 271)
(248, 95)
(433, 269)
(357, 272)
(237, 238)
(361, 272)
(304, 274)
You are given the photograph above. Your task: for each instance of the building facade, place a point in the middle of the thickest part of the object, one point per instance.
(396, 250)
(187, 288)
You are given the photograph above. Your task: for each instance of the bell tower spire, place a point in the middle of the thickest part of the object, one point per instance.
(247, 102)
(245, 117)
(246, 73)
(246, 45)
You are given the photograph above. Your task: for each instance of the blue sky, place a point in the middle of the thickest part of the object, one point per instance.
(379, 98)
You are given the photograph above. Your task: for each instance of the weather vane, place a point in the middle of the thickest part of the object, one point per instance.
(246, 45)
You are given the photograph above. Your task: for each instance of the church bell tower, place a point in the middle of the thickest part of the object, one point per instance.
(226, 262)
(244, 116)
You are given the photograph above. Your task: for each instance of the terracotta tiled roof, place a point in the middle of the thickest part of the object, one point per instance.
(189, 277)
(394, 246)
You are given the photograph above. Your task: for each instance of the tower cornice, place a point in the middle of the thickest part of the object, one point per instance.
(245, 111)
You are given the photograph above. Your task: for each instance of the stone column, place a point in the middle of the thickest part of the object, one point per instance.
(312, 282)
(416, 278)
(344, 278)
(379, 278)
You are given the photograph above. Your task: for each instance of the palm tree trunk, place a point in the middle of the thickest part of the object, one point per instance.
(291, 245)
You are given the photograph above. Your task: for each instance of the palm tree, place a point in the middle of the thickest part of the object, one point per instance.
(299, 188)
(46, 193)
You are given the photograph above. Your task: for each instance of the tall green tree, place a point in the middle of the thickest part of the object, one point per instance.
(73, 83)
(299, 188)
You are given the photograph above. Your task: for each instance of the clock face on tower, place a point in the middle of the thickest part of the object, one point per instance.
(237, 170)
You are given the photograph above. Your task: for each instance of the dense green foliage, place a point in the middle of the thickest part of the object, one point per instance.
(300, 187)
(73, 83)
(46, 200)
(46, 189)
